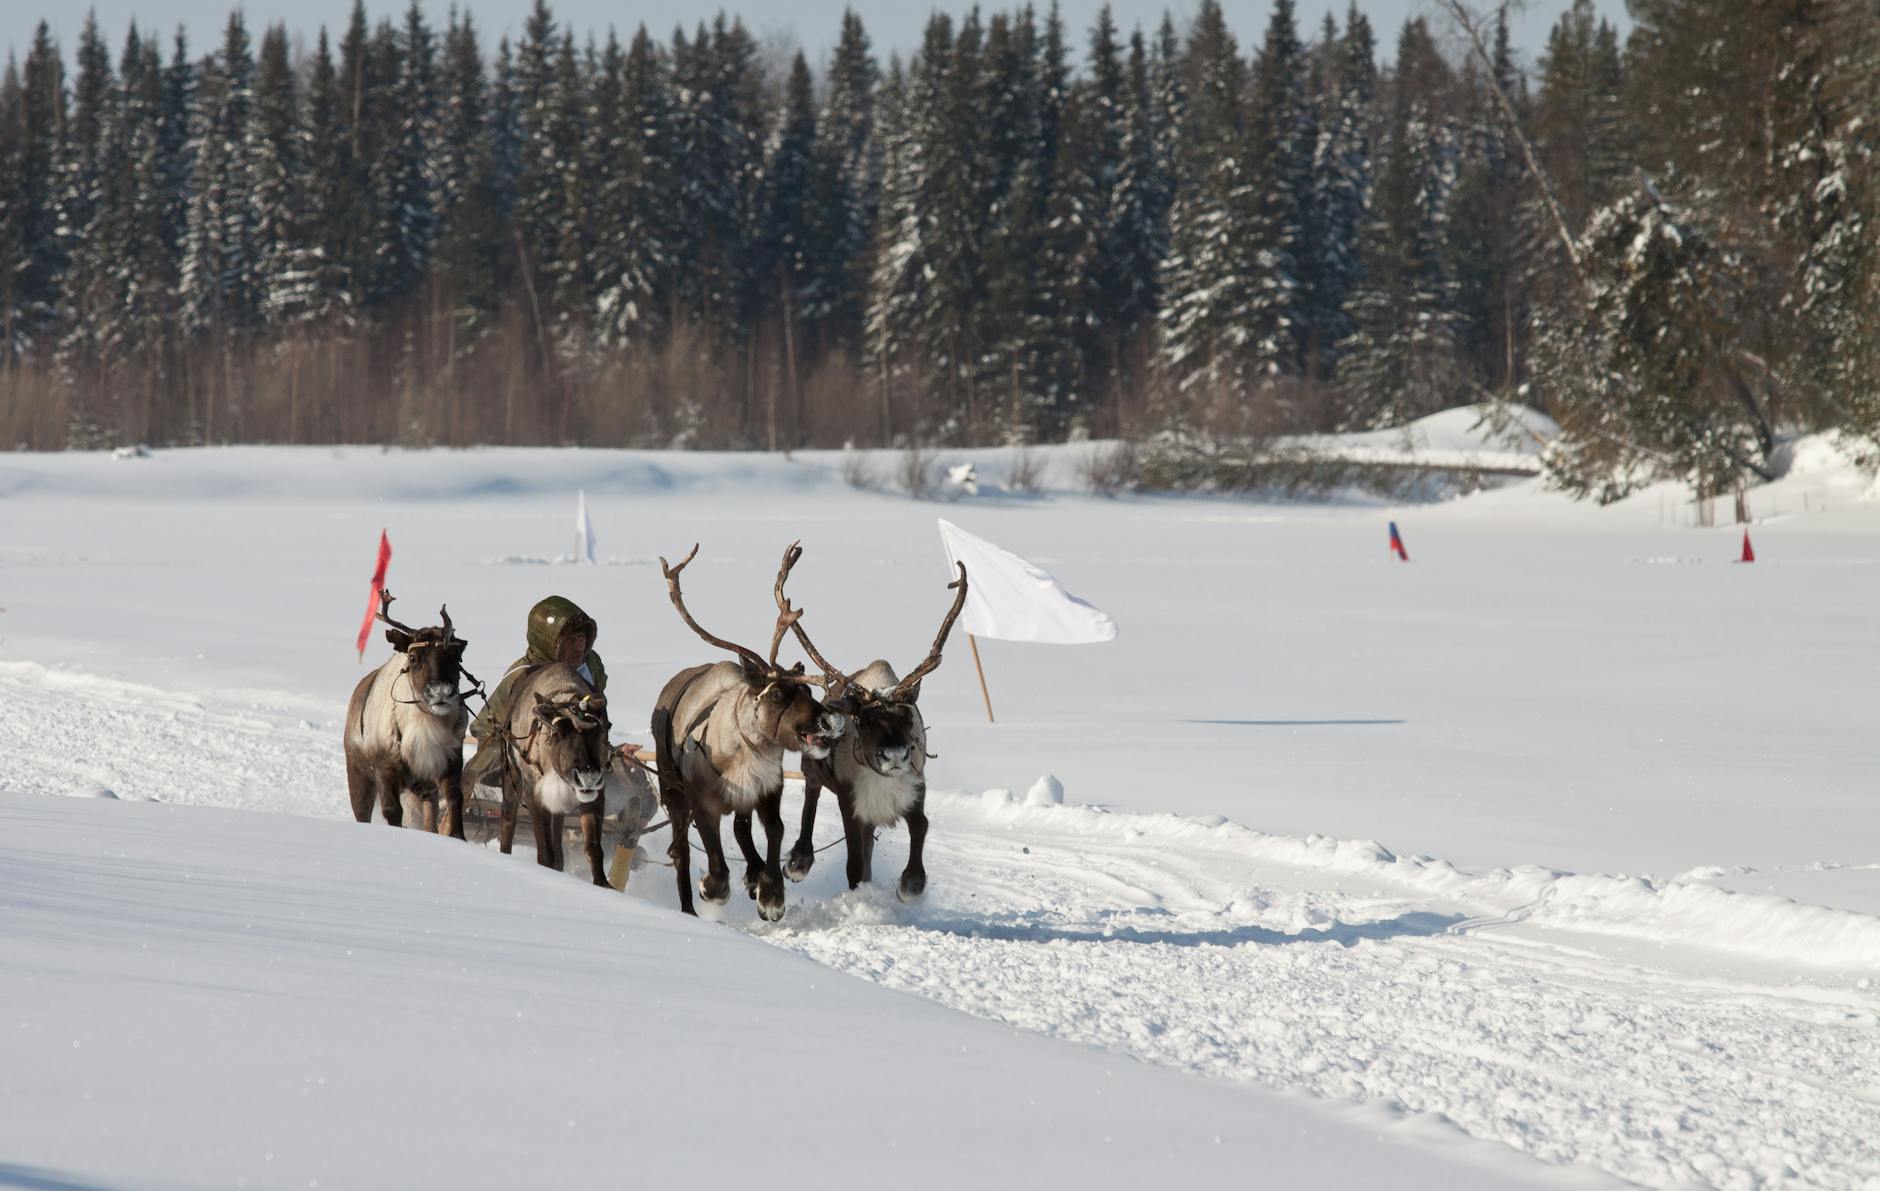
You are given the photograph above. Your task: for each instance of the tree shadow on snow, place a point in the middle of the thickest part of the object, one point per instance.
(1017, 928)
(1291, 723)
(38, 1178)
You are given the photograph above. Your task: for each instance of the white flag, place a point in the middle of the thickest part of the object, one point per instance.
(583, 529)
(1009, 599)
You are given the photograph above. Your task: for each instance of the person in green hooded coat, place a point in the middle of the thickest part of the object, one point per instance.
(559, 631)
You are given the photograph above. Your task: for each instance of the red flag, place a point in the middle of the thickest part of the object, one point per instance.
(378, 584)
(1749, 552)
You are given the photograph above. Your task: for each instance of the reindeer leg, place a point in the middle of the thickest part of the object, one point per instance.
(427, 804)
(770, 885)
(715, 885)
(753, 863)
(359, 788)
(391, 805)
(803, 852)
(450, 793)
(558, 841)
(679, 851)
(855, 834)
(512, 799)
(591, 843)
(914, 876)
(542, 824)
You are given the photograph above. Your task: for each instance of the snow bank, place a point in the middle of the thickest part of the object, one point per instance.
(199, 997)
(1471, 436)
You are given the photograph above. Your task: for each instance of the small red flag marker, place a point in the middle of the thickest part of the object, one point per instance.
(378, 584)
(1749, 552)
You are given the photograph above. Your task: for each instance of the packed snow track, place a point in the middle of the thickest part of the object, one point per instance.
(1662, 1033)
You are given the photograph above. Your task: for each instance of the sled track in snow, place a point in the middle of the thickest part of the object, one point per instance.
(1189, 948)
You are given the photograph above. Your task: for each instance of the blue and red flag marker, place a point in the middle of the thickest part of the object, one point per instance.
(1396, 543)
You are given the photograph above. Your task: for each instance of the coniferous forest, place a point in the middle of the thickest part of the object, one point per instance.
(1017, 233)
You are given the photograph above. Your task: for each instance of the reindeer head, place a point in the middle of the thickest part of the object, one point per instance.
(569, 744)
(433, 659)
(781, 709)
(887, 733)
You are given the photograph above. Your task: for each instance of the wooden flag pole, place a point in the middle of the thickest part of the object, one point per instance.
(983, 693)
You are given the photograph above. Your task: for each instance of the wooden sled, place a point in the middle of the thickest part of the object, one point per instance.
(621, 827)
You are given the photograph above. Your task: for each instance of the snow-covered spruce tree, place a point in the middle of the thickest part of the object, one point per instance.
(86, 166)
(632, 211)
(272, 144)
(401, 174)
(1096, 297)
(847, 179)
(361, 87)
(1341, 188)
(1212, 276)
(1014, 189)
(476, 250)
(317, 290)
(1651, 381)
(1400, 362)
(35, 263)
(1838, 283)
(790, 236)
(897, 280)
(175, 148)
(1484, 238)
(1073, 365)
(1139, 196)
(924, 308)
(717, 150)
(567, 285)
(218, 275)
(545, 147)
(136, 333)
(1280, 142)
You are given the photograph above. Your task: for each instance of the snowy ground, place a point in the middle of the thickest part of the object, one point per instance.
(1571, 733)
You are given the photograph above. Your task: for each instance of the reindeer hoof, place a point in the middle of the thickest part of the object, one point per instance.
(800, 862)
(912, 886)
(770, 912)
(753, 878)
(716, 890)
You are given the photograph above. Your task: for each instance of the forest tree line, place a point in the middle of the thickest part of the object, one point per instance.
(1020, 233)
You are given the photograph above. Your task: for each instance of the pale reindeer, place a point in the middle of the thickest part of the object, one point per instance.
(556, 757)
(405, 725)
(721, 731)
(878, 769)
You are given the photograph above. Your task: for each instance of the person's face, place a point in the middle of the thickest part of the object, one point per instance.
(573, 649)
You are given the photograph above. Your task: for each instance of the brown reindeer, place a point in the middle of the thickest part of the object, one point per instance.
(879, 769)
(405, 726)
(721, 731)
(556, 756)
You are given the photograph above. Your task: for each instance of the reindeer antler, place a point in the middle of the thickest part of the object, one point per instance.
(450, 631)
(787, 617)
(834, 680)
(932, 661)
(678, 601)
(385, 612)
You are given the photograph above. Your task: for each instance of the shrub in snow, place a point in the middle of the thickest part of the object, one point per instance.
(965, 478)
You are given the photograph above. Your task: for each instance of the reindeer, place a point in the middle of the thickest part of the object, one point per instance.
(405, 726)
(555, 754)
(721, 731)
(879, 769)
